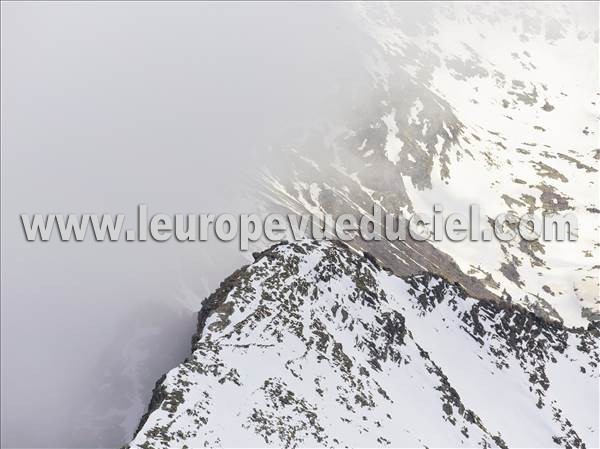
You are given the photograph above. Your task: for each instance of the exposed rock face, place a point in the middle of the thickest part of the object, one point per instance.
(316, 345)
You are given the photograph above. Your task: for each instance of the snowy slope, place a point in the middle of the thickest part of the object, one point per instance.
(494, 104)
(316, 345)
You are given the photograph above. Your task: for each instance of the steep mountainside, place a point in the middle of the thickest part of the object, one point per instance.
(494, 104)
(314, 344)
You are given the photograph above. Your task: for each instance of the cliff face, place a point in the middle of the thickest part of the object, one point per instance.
(316, 345)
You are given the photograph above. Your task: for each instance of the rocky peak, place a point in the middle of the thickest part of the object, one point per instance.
(314, 344)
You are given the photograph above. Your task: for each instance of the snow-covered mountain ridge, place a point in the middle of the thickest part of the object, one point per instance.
(461, 103)
(316, 345)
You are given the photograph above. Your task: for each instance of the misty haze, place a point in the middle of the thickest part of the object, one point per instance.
(299, 108)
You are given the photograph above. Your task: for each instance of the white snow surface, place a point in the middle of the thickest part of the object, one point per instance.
(314, 345)
(494, 104)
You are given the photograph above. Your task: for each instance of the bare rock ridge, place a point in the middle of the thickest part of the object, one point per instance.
(315, 345)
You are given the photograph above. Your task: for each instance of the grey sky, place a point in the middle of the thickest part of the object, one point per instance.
(108, 105)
